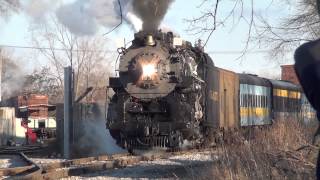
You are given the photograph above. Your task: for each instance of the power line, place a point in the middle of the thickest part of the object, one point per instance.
(55, 49)
(244, 52)
(238, 52)
(121, 19)
(110, 51)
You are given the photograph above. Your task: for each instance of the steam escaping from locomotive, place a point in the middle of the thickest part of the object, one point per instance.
(151, 12)
(83, 17)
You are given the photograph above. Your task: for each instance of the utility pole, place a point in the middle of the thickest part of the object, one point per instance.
(318, 6)
(68, 110)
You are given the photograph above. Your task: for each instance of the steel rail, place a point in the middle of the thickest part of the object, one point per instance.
(32, 171)
(82, 166)
(76, 167)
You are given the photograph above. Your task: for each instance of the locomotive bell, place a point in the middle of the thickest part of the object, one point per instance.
(150, 41)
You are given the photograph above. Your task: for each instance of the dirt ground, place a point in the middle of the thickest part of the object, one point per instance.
(283, 151)
(215, 164)
(181, 166)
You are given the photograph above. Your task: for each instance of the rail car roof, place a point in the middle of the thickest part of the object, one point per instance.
(285, 85)
(253, 80)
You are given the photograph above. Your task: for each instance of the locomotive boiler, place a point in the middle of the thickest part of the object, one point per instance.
(160, 93)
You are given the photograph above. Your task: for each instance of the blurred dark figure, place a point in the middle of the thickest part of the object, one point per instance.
(307, 66)
(43, 134)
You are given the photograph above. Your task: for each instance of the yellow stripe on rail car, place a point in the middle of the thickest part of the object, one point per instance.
(286, 93)
(294, 94)
(280, 92)
(309, 115)
(256, 111)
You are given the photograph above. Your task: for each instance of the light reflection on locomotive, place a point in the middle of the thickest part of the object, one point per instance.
(149, 70)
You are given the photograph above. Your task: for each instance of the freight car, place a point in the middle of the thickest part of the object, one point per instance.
(170, 94)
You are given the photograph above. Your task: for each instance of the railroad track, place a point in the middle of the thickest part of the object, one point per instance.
(82, 166)
(31, 171)
(24, 149)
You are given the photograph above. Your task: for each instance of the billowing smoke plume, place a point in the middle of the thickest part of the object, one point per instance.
(151, 12)
(13, 76)
(84, 17)
(90, 134)
(38, 9)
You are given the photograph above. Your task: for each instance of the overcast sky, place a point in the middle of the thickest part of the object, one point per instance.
(223, 46)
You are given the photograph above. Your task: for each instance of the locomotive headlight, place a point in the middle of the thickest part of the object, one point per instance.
(148, 70)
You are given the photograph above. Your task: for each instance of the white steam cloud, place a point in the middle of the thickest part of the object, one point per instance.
(13, 77)
(38, 9)
(86, 17)
(91, 136)
(135, 21)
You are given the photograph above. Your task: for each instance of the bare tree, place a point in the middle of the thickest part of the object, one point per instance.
(8, 6)
(303, 26)
(87, 55)
(211, 19)
(282, 38)
(41, 82)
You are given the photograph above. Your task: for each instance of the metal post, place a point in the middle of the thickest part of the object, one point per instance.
(318, 6)
(67, 111)
(0, 79)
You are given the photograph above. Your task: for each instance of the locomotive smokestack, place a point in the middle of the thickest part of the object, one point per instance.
(151, 12)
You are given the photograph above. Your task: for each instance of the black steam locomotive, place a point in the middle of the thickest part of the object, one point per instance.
(170, 95)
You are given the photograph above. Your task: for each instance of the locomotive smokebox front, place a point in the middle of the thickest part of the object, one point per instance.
(146, 72)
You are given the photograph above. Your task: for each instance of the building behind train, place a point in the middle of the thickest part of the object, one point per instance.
(26, 119)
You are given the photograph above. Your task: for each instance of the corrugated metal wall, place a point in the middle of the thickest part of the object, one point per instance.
(7, 125)
(308, 113)
(255, 105)
(59, 120)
